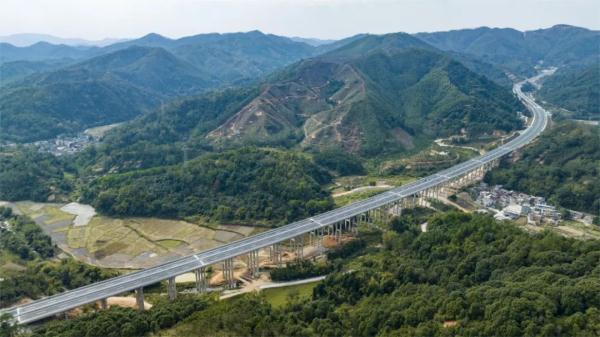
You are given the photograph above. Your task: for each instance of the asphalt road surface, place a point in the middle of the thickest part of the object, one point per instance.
(74, 298)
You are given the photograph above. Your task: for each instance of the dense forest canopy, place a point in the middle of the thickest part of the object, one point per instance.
(467, 276)
(520, 52)
(247, 184)
(165, 136)
(27, 174)
(562, 165)
(576, 89)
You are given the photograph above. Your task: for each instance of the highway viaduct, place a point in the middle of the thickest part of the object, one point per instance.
(307, 231)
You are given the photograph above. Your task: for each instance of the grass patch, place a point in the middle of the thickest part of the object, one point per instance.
(359, 195)
(56, 215)
(278, 297)
(170, 243)
(76, 237)
(110, 249)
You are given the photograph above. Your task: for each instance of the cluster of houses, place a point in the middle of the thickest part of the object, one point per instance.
(510, 205)
(65, 145)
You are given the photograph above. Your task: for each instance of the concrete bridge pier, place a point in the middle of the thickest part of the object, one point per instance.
(385, 213)
(201, 280)
(353, 225)
(319, 238)
(276, 254)
(253, 263)
(228, 276)
(338, 231)
(172, 288)
(103, 303)
(298, 247)
(139, 298)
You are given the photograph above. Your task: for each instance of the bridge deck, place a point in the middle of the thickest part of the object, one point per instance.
(71, 299)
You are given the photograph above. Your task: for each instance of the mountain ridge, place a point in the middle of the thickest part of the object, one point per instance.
(520, 51)
(355, 99)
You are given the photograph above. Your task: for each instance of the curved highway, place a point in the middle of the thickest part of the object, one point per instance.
(74, 298)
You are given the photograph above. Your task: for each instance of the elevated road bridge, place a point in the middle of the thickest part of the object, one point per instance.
(345, 218)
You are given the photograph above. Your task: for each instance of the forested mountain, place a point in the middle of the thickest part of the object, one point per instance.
(106, 89)
(168, 135)
(231, 57)
(124, 79)
(371, 95)
(563, 165)
(16, 70)
(359, 101)
(241, 185)
(42, 51)
(576, 89)
(231, 52)
(519, 51)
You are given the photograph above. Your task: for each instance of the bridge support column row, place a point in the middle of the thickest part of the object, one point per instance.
(253, 263)
(201, 280)
(298, 247)
(337, 231)
(318, 238)
(276, 257)
(228, 276)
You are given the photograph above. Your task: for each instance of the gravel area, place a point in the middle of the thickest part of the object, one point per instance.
(83, 213)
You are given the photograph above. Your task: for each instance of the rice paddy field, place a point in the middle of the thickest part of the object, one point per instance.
(127, 243)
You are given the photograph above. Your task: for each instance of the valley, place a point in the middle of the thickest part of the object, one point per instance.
(126, 243)
(242, 184)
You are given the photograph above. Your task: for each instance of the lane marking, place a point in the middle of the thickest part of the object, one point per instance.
(315, 221)
(219, 251)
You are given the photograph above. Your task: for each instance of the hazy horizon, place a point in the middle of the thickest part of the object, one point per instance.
(321, 19)
(119, 38)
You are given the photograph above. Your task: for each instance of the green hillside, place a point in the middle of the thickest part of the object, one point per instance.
(42, 51)
(563, 165)
(120, 81)
(103, 90)
(167, 135)
(231, 57)
(366, 104)
(17, 70)
(26, 174)
(237, 57)
(575, 89)
(243, 185)
(519, 51)
(368, 95)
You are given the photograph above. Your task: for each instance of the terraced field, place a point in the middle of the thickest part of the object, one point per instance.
(128, 243)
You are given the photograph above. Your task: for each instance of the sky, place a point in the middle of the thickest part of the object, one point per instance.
(327, 19)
